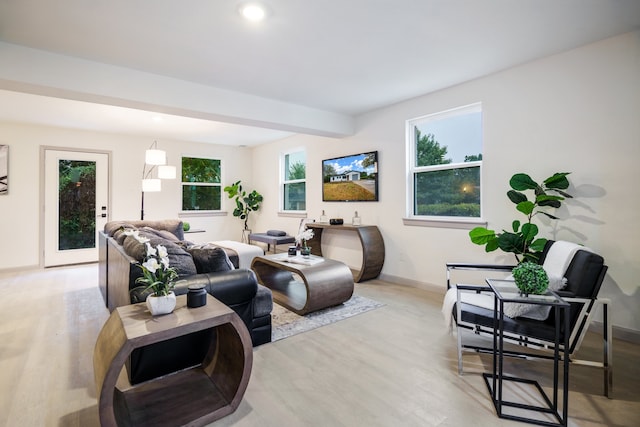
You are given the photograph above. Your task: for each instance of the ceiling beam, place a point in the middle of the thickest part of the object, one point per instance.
(49, 74)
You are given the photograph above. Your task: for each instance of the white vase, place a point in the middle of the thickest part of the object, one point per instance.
(161, 305)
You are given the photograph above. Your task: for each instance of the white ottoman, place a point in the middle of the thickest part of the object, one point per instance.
(245, 252)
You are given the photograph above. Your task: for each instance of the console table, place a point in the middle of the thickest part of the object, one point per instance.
(370, 239)
(195, 396)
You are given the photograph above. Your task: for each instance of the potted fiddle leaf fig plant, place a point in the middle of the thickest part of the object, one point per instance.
(522, 239)
(245, 203)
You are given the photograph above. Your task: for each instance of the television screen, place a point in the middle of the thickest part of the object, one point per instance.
(351, 178)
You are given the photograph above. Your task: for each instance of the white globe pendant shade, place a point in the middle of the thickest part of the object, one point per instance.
(155, 157)
(166, 172)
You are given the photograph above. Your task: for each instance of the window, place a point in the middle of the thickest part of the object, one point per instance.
(201, 187)
(445, 158)
(294, 173)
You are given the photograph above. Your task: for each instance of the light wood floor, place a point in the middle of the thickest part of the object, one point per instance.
(393, 366)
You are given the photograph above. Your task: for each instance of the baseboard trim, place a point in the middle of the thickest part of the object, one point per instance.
(20, 269)
(412, 283)
(619, 332)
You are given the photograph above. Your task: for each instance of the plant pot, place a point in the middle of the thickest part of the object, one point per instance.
(161, 305)
(305, 252)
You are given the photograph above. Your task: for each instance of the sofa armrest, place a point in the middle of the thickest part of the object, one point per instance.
(472, 266)
(229, 287)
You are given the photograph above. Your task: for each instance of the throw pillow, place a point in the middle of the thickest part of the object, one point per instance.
(210, 260)
(276, 233)
(533, 311)
(178, 258)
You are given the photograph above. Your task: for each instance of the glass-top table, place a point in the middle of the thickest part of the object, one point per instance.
(506, 291)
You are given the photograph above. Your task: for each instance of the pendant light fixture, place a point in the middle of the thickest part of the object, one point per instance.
(154, 158)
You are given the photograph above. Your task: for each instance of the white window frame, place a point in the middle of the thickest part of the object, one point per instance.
(186, 213)
(437, 221)
(283, 182)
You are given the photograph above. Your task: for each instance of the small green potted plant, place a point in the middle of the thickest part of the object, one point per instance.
(530, 278)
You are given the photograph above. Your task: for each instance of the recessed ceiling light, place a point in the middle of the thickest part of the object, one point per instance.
(254, 12)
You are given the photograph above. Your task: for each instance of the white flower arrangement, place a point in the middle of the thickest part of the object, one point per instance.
(157, 275)
(302, 238)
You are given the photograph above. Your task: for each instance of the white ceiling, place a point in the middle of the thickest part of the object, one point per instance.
(339, 56)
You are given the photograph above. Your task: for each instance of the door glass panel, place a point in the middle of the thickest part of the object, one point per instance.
(77, 204)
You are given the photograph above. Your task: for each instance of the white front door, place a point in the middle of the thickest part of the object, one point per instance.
(75, 205)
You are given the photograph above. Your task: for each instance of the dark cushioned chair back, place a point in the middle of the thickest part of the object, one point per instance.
(584, 277)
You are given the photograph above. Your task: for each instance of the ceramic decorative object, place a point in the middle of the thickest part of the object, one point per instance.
(356, 220)
(530, 278)
(161, 305)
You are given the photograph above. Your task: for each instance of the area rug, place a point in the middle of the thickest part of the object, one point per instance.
(286, 323)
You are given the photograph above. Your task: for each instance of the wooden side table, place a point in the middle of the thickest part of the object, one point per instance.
(195, 396)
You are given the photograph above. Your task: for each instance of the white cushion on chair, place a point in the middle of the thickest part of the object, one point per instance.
(557, 261)
(559, 257)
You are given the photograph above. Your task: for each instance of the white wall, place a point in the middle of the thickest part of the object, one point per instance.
(19, 210)
(576, 112)
(573, 112)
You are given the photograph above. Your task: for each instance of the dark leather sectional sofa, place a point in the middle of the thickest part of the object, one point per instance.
(237, 288)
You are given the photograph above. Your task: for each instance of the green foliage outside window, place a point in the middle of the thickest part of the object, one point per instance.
(77, 204)
(294, 188)
(428, 150)
(446, 192)
(200, 170)
(297, 170)
(201, 188)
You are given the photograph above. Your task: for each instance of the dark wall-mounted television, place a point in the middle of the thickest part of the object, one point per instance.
(351, 178)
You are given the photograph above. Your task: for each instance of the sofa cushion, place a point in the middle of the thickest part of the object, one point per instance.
(172, 225)
(163, 234)
(119, 235)
(210, 260)
(178, 258)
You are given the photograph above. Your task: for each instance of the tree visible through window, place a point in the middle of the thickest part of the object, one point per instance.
(445, 163)
(294, 175)
(201, 184)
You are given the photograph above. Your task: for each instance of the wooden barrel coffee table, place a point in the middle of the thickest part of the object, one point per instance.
(304, 288)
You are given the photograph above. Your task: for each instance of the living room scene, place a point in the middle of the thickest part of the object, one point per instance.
(372, 231)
